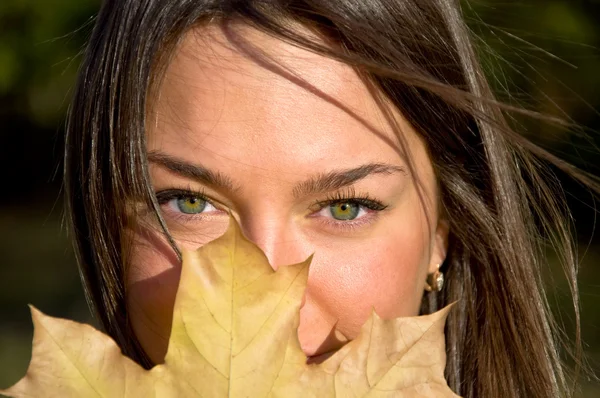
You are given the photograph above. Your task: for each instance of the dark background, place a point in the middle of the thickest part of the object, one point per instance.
(545, 53)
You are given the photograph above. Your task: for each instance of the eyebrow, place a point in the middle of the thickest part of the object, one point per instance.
(321, 183)
(337, 179)
(191, 171)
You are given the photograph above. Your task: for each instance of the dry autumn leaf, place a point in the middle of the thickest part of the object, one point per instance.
(234, 334)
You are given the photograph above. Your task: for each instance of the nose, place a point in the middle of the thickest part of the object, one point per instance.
(282, 243)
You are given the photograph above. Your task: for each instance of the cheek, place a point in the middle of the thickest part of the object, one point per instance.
(152, 279)
(384, 278)
(385, 274)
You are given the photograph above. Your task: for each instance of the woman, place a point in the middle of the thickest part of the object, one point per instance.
(362, 131)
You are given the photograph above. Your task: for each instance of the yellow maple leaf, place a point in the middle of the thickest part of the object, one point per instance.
(234, 334)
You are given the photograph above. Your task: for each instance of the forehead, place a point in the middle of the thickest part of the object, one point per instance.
(227, 93)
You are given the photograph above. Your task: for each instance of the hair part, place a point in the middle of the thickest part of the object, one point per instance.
(497, 192)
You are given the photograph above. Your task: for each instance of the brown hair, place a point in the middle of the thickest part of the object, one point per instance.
(497, 192)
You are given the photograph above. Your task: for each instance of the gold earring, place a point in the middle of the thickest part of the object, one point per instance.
(435, 280)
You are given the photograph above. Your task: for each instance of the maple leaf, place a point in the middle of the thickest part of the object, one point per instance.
(234, 334)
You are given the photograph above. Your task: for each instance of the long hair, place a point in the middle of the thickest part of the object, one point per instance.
(496, 190)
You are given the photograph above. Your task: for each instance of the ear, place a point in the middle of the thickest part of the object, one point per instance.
(440, 245)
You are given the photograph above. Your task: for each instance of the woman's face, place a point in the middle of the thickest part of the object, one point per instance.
(296, 147)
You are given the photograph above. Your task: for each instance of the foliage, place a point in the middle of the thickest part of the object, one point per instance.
(234, 334)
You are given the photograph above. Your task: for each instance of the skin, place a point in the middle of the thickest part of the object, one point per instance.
(267, 124)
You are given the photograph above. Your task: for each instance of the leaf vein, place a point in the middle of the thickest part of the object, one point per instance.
(71, 361)
(282, 297)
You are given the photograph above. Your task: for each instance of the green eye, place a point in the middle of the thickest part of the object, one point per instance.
(344, 211)
(191, 205)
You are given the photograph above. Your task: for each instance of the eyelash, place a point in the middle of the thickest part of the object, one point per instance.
(164, 197)
(350, 196)
(169, 194)
(347, 196)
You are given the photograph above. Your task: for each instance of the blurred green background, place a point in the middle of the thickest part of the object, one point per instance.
(545, 53)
